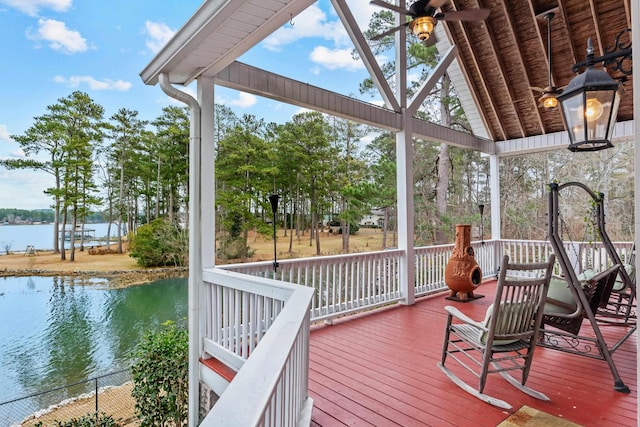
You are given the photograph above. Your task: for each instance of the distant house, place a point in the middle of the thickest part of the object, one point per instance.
(375, 219)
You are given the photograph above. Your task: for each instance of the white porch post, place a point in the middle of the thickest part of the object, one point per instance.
(494, 187)
(206, 233)
(404, 177)
(635, 33)
(206, 99)
(404, 172)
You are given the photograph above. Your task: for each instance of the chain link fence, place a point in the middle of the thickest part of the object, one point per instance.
(109, 394)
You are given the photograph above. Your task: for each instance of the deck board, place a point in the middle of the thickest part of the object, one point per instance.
(379, 369)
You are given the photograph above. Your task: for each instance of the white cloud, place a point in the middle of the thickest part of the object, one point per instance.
(58, 36)
(4, 133)
(24, 188)
(32, 7)
(310, 23)
(313, 22)
(94, 84)
(301, 110)
(335, 59)
(362, 11)
(244, 100)
(158, 34)
(17, 154)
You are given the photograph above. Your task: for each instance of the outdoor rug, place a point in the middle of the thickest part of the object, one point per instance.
(529, 417)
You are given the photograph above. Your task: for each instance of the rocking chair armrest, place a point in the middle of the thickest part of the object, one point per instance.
(453, 311)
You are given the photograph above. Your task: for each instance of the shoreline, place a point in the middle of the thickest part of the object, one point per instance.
(115, 278)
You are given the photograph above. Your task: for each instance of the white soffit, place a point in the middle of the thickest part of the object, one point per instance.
(461, 85)
(219, 32)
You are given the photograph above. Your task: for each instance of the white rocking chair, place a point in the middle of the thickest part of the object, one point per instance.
(507, 338)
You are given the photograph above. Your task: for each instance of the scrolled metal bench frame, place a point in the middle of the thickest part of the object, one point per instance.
(565, 333)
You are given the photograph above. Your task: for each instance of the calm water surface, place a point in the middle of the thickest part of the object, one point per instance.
(54, 332)
(40, 236)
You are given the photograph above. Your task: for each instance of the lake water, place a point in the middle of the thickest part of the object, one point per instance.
(40, 236)
(54, 332)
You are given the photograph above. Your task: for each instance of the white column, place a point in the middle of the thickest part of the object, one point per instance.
(404, 171)
(206, 228)
(404, 178)
(206, 99)
(635, 42)
(494, 188)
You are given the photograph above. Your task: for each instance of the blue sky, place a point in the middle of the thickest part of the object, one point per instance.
(51, 48)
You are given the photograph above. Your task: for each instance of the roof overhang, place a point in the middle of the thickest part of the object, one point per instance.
(218, 33)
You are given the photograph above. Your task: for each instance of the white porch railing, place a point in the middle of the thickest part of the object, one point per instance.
(341, 284)
(431, 262)
(260, 327)
(270, 388)
(582, 254)
(345, 284)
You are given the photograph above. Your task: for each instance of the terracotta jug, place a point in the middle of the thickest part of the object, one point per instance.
(462, 274)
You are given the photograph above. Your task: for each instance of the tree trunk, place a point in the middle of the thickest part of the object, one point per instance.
(121, 213)
(444, 164)
(385, 227)
(56, 219)
(63, 255)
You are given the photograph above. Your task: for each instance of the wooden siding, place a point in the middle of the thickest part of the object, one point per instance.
(379, 369)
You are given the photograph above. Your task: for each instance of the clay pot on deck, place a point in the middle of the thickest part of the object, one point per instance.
(462, 274)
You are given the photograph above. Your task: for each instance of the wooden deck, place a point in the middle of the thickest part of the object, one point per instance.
(379, 369)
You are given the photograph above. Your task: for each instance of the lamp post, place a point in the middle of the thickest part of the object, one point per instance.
(481, 208)
(591, 99)
(273, 199)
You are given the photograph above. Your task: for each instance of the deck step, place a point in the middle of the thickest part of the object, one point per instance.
(216, 374)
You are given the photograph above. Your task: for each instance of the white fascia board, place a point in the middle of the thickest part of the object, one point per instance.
(624, 131)
(190, 32)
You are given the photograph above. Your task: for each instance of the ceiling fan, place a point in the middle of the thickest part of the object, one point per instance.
(549, 98)
(425, 16)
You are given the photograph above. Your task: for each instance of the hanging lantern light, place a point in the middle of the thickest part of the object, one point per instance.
(590, 107)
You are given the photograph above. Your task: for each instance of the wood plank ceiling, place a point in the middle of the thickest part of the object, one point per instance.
(507, 54)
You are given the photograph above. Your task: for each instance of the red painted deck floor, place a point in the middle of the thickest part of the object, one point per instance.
(379, 369)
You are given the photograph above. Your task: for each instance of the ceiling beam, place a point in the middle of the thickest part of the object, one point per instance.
(467, 92)
(523, 66)
(365, 53)
(596, 26)
(476, 65)
(569, 35)
(436, 133)
(627, 12)
(259, 82)
(430, 83)
(502, 71)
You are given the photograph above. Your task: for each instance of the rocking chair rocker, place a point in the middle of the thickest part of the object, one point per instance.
(506, 340)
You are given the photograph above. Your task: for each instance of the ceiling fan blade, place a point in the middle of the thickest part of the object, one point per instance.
(464, 15)
(419, 8)
(437, 3)
(389, 6)
(389, 31)
(538, 89)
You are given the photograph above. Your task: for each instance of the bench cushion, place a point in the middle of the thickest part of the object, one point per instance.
(559, 291)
